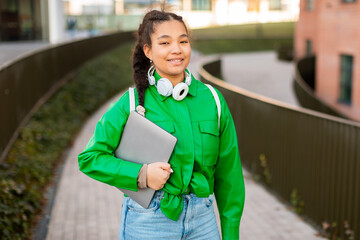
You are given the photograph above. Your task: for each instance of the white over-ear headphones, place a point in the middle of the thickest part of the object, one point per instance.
(165, 87)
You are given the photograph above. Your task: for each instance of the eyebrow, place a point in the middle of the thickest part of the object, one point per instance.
(167, 36)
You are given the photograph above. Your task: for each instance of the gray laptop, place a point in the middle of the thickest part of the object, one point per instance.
(142, 142)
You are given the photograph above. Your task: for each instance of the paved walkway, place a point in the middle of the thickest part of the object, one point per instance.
(87, 209)
(84, 209)
(9, 51)
(261, 73)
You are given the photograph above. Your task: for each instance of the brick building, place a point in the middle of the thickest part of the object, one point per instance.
(330, 30)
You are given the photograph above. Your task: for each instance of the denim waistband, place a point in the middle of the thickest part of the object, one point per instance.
(159, 194)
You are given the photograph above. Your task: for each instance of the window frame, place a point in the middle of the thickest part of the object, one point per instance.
(200, 4)
(278, 5)
(309, 47)
(309, 5)
(346, 78)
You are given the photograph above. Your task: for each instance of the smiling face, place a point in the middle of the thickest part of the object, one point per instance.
(170, 50)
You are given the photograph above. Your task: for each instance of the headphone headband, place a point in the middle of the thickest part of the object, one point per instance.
(165, 87)
(151, 77)
(152, 80)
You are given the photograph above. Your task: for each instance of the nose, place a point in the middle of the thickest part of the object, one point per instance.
(176, 49)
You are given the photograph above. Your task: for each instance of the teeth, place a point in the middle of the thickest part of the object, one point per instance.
(175, 60)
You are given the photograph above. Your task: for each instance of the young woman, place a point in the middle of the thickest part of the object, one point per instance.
(205, 159)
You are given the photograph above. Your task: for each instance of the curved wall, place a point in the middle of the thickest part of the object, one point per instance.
(28, 82)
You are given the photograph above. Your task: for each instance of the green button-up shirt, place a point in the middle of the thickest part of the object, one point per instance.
(205, 159)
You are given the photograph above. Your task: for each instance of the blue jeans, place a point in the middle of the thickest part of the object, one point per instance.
(197, 220)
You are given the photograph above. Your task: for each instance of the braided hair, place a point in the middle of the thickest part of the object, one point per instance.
(140, 62)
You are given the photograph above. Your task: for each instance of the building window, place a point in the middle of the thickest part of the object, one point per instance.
(201, 5)
(253, 5)
(310, 5)
(346, 78)
(175, 5)
(274, 5)
(308, 48)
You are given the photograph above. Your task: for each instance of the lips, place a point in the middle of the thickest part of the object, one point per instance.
(176, 61)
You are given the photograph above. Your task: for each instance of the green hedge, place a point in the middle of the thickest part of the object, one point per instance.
(243, 37)
(246, 31)
(31, 162)
(215, 46)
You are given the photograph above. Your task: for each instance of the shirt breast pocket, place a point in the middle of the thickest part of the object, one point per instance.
(169, 127)
(210, 142)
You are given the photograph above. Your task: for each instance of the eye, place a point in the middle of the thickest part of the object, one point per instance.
(184, 41)
(163, 43)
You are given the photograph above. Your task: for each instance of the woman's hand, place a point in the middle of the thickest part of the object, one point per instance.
(157, 175)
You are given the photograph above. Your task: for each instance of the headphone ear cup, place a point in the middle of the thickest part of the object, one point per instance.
(180, 91)
(151, 80)
(164, 87)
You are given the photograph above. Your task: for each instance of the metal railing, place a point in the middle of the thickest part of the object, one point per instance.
(302, 155)
(27, 82)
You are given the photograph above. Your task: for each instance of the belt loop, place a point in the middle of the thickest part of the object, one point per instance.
(158, 194)
(161, 195)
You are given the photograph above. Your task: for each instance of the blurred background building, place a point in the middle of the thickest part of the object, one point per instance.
(126, 14)
(54, 20)
(330, 31)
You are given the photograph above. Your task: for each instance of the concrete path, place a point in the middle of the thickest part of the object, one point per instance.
(261, 73)
(9, 51)
(87, 209)
(84, 209)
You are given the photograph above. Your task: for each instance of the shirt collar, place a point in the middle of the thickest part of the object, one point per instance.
(192, 87)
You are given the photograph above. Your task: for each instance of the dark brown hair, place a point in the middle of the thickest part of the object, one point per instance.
(140, 62)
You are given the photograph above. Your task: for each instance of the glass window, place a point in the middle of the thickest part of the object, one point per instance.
(175, 5)
(274, 5)
(310, 5)
(253, 5)
(308, 48)
(201, 5)
(20, 20)
(346, 78)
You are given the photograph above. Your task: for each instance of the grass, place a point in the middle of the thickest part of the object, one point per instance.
(260, 30)
(238, 45)
(243, 38)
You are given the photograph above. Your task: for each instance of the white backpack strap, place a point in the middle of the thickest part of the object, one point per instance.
(217, 100)
(132, 99)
